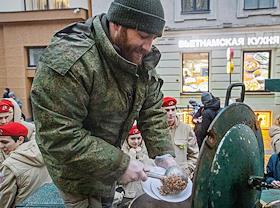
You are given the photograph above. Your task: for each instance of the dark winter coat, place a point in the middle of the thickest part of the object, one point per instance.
(273, 169)
(209, 112)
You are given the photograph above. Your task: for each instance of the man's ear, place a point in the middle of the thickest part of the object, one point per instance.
(21, 139)
(116, 26)
(114, 30)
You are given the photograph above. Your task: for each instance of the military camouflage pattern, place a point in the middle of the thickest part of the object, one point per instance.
(85, 98)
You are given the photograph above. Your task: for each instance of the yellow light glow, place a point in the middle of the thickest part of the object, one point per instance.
(184, 116)
(264, 119)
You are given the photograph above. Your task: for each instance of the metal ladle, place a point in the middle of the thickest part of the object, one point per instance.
(174, 170)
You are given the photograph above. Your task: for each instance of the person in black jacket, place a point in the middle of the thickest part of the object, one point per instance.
(203, 118)
(273, 171)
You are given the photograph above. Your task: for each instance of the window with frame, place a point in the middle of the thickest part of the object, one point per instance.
(45, 4)
(195, 72)
(36, 5)
(189, 6)
(59, 4)
(258, 4)
(34, 54)
(256, 68)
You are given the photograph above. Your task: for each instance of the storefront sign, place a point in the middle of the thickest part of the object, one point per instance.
(229, 42)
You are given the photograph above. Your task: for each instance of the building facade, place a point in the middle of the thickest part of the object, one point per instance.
(25, 30)
(194, 51)
(194, 47)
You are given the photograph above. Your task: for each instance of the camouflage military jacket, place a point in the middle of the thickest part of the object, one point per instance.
(85, 98)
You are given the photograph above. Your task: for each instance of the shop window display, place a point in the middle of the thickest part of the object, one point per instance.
(265, 121)
(185, 115)
(256, 68)
(195, 72)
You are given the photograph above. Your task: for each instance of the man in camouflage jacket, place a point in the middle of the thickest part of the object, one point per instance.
(92, 82)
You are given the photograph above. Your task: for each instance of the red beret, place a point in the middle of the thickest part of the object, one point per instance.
(5, 106)
(169, 101)
(134, 130)
(13, 129)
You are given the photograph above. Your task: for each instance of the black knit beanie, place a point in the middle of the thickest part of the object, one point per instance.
(206, 97)
(143, 15)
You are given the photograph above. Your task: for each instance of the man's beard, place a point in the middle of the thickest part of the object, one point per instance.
(129, 51)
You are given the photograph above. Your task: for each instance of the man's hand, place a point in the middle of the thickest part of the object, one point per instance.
(165, 161)
(134, 172)
(276, 184)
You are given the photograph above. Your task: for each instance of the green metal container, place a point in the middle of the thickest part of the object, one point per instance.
(231, 153)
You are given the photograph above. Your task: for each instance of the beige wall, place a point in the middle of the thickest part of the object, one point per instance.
(2, 60)
(16, 36)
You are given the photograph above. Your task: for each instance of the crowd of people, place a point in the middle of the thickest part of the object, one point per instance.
(101, 119)
(22, 169)
(184, 142)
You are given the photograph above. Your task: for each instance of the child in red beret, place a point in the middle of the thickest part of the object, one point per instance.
(23, 170)
(11, 136)
(11, 112)
(6, 111)
(135, 147)
(134, 139)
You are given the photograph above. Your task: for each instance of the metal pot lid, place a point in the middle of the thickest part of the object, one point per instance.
(231, 153)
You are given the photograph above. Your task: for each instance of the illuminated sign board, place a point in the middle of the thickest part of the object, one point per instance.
(229, 42)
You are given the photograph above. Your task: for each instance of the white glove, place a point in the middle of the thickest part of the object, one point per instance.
(134, 172)
(165, 161)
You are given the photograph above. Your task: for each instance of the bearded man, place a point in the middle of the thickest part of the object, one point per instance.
(92, 82)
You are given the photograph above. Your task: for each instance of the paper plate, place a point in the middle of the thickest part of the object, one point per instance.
(152, 185)
(147, 184)
(182, 196)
